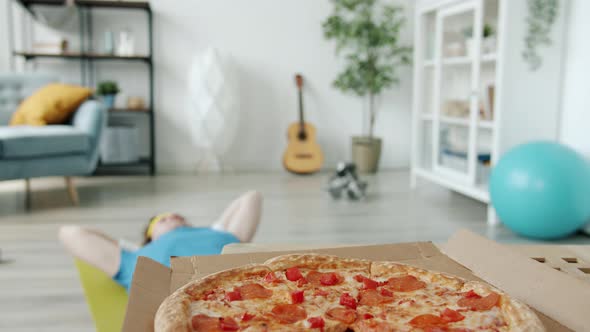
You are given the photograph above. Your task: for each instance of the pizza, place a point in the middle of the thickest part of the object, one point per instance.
(327, 293)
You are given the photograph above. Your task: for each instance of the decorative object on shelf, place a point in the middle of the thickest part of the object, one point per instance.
(126, 45)
(367, 33)
(135, 103)
(346, 180)
(303, 154)
(108, 91)
(457, 108)
(212, 109)
(455, 49)
(109, 42)
(57, 47)
(541, 17)
(488, 42)
(489, 102)
(541, 190)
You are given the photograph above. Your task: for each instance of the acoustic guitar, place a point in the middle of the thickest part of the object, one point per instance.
(303, 154)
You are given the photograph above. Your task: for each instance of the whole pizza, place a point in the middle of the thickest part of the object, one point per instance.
(328, 293)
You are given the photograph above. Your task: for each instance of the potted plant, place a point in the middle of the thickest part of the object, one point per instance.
(488, 42)
(367, 35)
(108, 91)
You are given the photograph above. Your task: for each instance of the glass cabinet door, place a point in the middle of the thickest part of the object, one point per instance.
(456, 105)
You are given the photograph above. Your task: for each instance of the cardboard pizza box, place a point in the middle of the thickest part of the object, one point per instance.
(561, 301)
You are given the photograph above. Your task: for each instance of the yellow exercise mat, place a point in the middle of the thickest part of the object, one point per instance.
(106, 299)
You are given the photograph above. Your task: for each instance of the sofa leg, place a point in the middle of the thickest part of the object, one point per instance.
(27, 194)
(72, 192)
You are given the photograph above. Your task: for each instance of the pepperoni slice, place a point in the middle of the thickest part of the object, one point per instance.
(375, 326)
(405, 284)
(344, 315)
(314, 277)
(228, 324)
(254, 291)
(372, 297)
(480, 304)
(324, 279)
(271, 277)
(331, 279)
(288, 313)
(427, 320)
(204, 323)
(449, 316)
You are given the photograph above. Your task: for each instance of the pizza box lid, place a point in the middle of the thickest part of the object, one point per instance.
(560, 300)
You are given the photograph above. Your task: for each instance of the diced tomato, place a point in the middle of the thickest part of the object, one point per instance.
(228, 324)
(370, 284)
(246, 317)
(316, 322)
(359, 277)
(386, 292)
(233, 296)
(330, 279)
(449, 316)
(293, 274)
(270, 277)
(301, 282)
(471, 295)
(297, 297)
(348, 301)
(368, 316)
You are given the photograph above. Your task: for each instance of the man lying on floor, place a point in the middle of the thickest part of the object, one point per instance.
(166, 235)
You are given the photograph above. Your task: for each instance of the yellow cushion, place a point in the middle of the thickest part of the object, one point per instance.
(106, 299)
(52, 104)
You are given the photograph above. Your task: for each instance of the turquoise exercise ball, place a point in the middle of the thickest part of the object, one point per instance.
(542, 190)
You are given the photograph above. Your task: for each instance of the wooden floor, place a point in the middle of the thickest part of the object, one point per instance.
(39, 289)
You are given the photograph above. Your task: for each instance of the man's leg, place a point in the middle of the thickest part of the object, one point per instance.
(93, 247)
(242, 216)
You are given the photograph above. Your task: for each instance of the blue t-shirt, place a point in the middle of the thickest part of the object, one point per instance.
(182, 241)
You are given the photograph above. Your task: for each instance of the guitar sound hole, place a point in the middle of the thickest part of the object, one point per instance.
(302, 136)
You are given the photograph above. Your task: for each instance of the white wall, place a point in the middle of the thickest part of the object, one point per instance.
(268, 41)
(575, 124)
(4, 64)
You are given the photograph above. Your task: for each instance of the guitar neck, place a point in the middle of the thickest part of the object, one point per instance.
(301, 116)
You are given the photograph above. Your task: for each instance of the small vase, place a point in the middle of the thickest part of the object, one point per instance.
(109, 100)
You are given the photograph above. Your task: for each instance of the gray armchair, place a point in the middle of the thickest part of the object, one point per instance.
(67, 150)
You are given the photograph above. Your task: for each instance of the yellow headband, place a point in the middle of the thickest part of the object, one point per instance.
(154, 221)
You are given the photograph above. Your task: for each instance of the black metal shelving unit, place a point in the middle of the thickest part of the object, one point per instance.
(87, 58)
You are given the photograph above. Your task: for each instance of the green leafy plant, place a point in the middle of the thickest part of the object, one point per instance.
(367, 35)
(107, 88)
(487, 31)
(542, 15)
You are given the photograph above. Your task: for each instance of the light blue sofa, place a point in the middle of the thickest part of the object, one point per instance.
(67, 150)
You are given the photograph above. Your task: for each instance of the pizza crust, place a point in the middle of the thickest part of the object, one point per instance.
(174, 314)
(518, 315)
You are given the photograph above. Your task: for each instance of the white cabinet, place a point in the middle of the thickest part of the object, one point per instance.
(475, 96)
